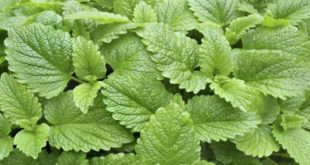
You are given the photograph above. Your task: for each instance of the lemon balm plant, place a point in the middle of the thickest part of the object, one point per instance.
(143, 82)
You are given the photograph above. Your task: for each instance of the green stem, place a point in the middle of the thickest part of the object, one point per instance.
(77, 80)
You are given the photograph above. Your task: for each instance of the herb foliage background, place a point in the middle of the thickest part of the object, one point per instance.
(141, 82)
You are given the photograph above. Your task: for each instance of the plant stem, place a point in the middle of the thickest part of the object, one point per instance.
(77, 80)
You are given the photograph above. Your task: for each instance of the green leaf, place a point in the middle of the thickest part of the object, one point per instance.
(175, 55)
(259, 142)
(273, 72)
(292, 104)
(32, 142)
(267, 108)
(287, 39)
(6, 142)
(220, 12)
(16, 101)
(125, 7)
(295, 10)
(87, 60)
(108, 33)
(214, 55)
(133, 102)
(295, 141)
(168, 139)
(34, 54)
(49, 18)
(176, 13)
(143, 13)
(239, 27)
(6, 146)
(17, 157)
(84, 95)
(227, 153)
(74, 130)
(215, 119)
(291, 121)
(101, 17)
(115, 159)
(235, 91)
(128, 53)
(72, 158)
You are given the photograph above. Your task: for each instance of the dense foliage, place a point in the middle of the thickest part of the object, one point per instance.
(143, 82)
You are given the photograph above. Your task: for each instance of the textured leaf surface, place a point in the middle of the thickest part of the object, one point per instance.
(115, 159)
(176, 13)
(167, 139)
(259, 142)
(175, 55)
(49, 18)
(143, 13)
(217, 11)
(102, 17)
(273, 72)
(16, 101)
(87, 59)
(84, 95)
(238, 27)
(109, 32)
(72, 158)
(32, 142)
(295, 141)
(295, 10)
(215, 54)
(6, 145)
(133, 102)
(287, 39)
(17, 157)
(235, 91)
(6, 142)
(215, 119)
(34, 54)
(73, 130)
(128, 53)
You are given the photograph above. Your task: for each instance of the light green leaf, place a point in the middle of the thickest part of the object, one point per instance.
(143, 13)
(273, 72)
(267, 108)
(16, 101)
(74, 130)
(133, 102)
(295, 10)
(176, 13)
(235, 91)
(6, 146)
(168, 138)
(72, 158)
(295, 141)
(34, 53)
(215, 119)
(125, 7)
(101, 17)
(287, 39)
(49, 18)
(175, 55)
(215, 54)
(292, 104)
(259, 142)
(32, 142)
(108, 33)
(216, 11)
(128, 53)
(87, 60)
(84, 95)
(202, 162)
(238, 27)
(115, 159)
(5, 126)
(291, 121)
